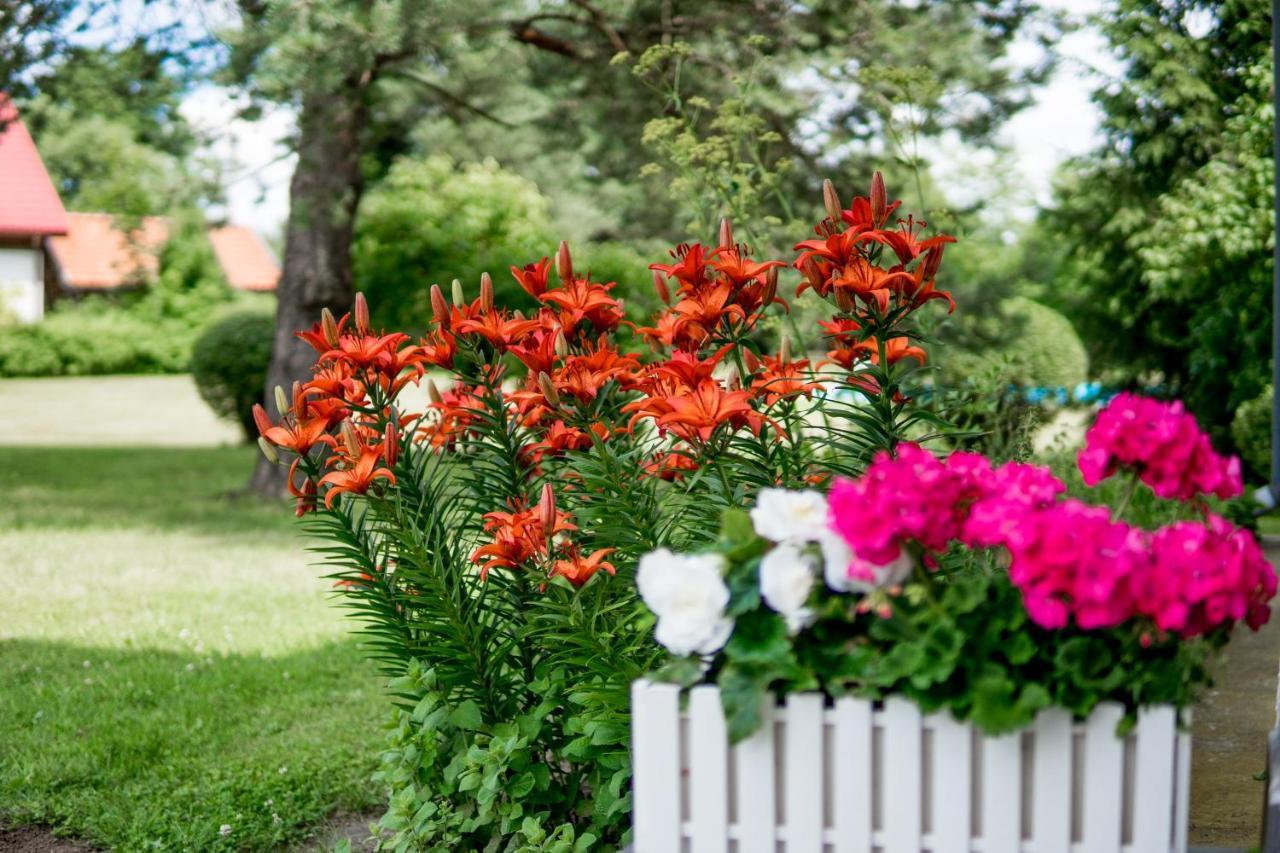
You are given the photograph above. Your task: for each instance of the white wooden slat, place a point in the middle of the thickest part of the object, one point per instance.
(1153, 779)
(804, 777)
(754, 785)
(1002, 793)
(655, 761)
(708, 771)
(1103, 777)
(1051, 783)
(901, 782)
(851, 775)
(1182, 799)
(952, 783)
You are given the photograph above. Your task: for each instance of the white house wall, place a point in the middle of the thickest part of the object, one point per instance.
(22, 283)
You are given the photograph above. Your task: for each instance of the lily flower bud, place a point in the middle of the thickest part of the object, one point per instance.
(350, 439)
(660, 286)
(770, 287)
(831, 201)
(362, 314)
(459, 295)
(269, 451)
(844, 300)
(486, 292)
(932, 260)
(547, 509)
(726, 233)
(561, 344)
(391, 444)
(548, 389)
(784, 350)
(282, 402)
(433, 393)
(260, 418)
(732, 379)
(879, 200)
(564, 263)
(439, 308)
(329, 326)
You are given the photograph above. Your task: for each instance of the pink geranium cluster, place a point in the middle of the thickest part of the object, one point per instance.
(915, 496)
(1163, 444)
(1071, 561)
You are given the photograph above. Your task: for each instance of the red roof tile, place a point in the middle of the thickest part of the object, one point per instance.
(95, 255)
(244, 258)
(29, 205)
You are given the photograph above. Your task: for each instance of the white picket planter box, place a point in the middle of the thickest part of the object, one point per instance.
(856, 779)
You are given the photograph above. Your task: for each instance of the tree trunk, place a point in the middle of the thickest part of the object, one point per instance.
(323, 196)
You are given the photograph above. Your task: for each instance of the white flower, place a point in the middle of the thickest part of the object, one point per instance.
(224, 830)
(786, 579)
(838, 558)
(783, 515)
(688, 595)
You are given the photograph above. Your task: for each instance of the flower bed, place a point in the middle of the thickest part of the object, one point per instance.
(571, 514)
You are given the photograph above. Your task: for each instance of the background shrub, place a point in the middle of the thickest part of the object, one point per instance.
(1251, 431)
(1035, 346)
(229, 365)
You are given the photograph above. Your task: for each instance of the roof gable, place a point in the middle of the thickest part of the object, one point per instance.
(29, 204)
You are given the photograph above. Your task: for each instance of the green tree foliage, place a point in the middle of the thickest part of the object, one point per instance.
(430, 221)
(1165, 229)
(1251, 431)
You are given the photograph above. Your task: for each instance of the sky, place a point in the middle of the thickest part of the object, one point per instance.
(1061, 123)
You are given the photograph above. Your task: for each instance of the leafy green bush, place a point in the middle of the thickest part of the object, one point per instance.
(1040, 348)
(433, 221)
(1251, 431)
(229, 365)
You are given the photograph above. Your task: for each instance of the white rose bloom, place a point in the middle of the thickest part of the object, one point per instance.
(783, 515)
(837, 557)
(786, 579)
(688, 595)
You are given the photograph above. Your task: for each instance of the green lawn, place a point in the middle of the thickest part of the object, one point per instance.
(169, 662)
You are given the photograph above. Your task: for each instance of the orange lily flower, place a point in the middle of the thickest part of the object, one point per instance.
(578, 569)
(781, 380)
(582, 300)
(533, 277)
(869, 282)
(292, 434)
(498, 328)
(358, 475)
(670, 466)
(697, 415)
(690, 267)
(518, 537)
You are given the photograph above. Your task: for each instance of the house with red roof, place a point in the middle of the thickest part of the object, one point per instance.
(47, 253)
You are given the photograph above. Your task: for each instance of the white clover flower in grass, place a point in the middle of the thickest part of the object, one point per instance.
(782, 515)
(688, 595)
(786, 580)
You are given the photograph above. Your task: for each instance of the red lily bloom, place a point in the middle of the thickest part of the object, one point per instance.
(578, 569)
(292, 434)
(733, 263)
(365, 350)
(533, 277)
(868, 282)
(316, 337)
(670, 466)
(783, 379)
(457, 410)
(695, 416)
(518, 537)
(905, 241)
(582, 300)
(439, 349)
(498, 328)
(537, 352)
(690, 268)
(687, 370)
(358, 474)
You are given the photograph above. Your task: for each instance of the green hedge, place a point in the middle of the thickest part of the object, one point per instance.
(1039, 348)
(229, 365)
(1251, 431)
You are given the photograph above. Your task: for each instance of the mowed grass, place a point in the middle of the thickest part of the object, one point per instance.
(170, 663)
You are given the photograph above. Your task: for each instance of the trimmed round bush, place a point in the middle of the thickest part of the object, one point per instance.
(1251, 431)
(1037, 347)
(229, 365)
